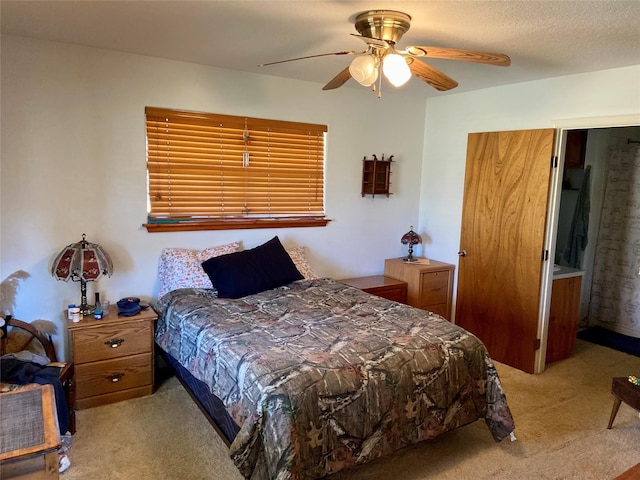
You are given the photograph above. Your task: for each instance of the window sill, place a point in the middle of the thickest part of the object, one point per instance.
(193, 225)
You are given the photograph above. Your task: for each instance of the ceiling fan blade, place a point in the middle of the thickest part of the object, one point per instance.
(339, 80)
(350, 52)
(433, 77)
(498, 59)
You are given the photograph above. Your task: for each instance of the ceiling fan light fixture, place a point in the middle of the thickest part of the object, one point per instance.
(364, 70)
(388, 25)
(381, 30)
(395, 68)
(416, 51)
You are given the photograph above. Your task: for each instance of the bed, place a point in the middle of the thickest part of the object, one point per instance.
(313, 376)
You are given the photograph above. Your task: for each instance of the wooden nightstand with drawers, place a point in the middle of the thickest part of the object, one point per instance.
(113, 357)
(429, 287)
(382, 286)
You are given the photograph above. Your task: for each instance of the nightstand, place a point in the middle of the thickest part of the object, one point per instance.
(381, 286)
(429, 287)
(113, 357)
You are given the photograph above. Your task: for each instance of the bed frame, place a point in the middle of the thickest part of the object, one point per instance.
(210, 405)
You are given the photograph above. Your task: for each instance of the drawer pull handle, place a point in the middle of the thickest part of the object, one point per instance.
(115, 377)
(114, 342)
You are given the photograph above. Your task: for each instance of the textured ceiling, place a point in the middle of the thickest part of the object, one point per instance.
(543, 38)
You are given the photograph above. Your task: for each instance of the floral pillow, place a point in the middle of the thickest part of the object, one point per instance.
(182, 267)
(300, 260)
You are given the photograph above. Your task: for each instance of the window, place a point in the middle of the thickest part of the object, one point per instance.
(208, 171)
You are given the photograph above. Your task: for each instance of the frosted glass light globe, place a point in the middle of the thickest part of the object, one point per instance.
(363, 70)
(396, 70)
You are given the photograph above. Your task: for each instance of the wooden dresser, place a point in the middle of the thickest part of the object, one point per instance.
(386, 287)
(429, 287)
(113, 357)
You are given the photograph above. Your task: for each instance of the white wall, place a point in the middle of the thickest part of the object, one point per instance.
(84, 172)
(73, 162)
(538, 104)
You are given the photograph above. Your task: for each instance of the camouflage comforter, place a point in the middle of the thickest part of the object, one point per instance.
(321, 376)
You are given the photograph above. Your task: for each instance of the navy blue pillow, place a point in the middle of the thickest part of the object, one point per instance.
(251, 271)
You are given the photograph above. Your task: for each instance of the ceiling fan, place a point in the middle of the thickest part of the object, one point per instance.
(381, 30)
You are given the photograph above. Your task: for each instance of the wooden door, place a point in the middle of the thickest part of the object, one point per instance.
(506, 194)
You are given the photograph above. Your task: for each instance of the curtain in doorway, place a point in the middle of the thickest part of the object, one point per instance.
(578, 235)
(615, 289)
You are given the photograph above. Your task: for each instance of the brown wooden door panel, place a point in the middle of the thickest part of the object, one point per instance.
(506, 194)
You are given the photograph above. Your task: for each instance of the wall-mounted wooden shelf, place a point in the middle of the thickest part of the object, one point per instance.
(376, 175)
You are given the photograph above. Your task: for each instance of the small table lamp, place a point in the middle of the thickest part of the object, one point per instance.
(411, 238)
(82, 262)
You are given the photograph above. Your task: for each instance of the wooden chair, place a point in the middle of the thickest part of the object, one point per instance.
(29, 433)
(66, 368)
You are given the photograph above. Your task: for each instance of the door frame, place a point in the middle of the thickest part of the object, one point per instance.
(562, 126)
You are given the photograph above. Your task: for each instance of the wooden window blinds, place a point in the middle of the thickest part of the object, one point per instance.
(220, 171)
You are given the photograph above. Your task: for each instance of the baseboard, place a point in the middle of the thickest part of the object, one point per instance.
(619, 329)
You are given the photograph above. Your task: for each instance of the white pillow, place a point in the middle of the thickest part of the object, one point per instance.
(182, 267)
(300, 260)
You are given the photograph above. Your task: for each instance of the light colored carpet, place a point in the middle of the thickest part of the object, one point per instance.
(561, 417)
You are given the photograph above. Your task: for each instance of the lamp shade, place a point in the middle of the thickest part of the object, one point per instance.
(82, 262)
(364, 70)
(395, 68)
(410, 238)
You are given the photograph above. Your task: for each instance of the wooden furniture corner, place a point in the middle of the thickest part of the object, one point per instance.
(564, 315)
(632, 474)
(623, 391)
(429, 287)
(386, 287)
